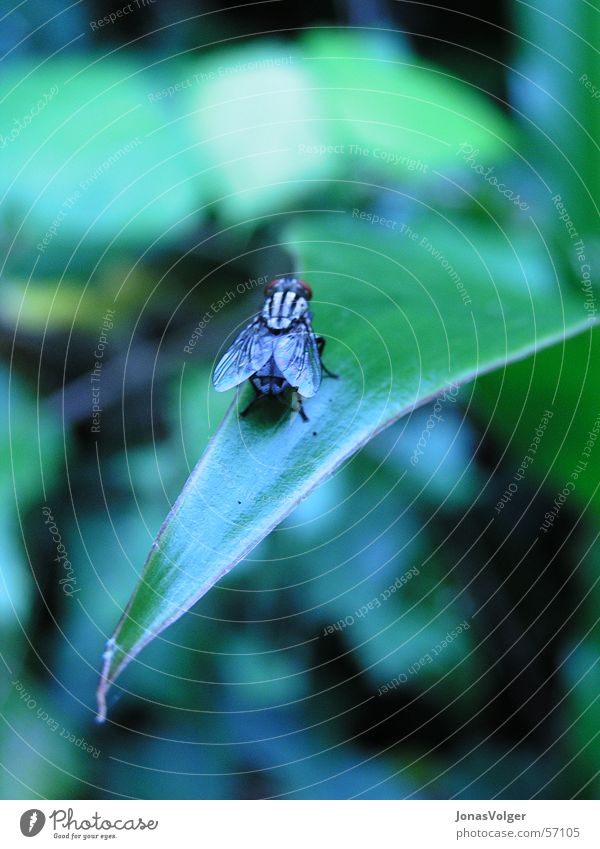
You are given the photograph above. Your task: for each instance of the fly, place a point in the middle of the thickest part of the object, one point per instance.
(278, 350)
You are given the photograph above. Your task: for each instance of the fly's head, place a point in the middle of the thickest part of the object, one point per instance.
(286, 301)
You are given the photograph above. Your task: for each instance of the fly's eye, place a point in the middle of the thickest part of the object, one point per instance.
(307, 289)
(269, 286)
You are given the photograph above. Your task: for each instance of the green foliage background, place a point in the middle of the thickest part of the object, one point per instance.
(165, 171)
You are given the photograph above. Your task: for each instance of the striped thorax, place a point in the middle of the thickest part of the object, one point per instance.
(285, 303)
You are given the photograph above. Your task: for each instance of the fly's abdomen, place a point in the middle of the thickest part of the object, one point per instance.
(269, 380)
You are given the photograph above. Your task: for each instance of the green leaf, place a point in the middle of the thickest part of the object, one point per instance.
(251, 109)
(563, 381)
(556, 91)
(275, 122)
(405, 316)
(31, 445)
(395, 115)
(51, 304)
(92, 148)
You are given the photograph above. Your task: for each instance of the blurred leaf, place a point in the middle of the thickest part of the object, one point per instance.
(429, 642)
(309, 765)
(400, 332)
(15, 578)
(435, 447)
(579, 669)
(41, 760)
(30, 443)
(82, 153)
(395, 115)
(253, 107)
(274, 121)
(266, 677)
(563, 381)
(557, 90)
(51, 305)
(30, 454)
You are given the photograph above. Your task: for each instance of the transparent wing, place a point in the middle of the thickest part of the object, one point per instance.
(249, 352)
(297, 357)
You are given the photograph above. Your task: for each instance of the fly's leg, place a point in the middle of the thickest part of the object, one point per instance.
(301, 411)
(329, 373)
(320, 346)
(298, 407)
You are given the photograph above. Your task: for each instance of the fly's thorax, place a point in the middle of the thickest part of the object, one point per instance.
(283, 308)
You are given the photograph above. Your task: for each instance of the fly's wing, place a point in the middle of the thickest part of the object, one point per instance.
(249, 352)
(297, 357)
